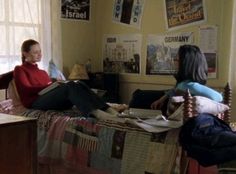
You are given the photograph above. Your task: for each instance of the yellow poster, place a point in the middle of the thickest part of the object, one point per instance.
(180, 13)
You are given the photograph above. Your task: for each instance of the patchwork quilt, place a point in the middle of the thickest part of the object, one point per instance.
(90, 146)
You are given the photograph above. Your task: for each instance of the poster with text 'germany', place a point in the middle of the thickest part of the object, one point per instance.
(162, 51)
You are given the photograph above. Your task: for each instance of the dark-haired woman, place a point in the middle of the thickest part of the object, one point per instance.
(192, 74)
(30, 80)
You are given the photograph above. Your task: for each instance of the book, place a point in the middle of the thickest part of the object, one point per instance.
(99, 92)
(51, 87)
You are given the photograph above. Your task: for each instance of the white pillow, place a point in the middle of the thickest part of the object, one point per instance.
(206, 105)
(201, 105)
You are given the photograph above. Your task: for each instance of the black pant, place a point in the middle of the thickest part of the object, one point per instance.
(69, 94)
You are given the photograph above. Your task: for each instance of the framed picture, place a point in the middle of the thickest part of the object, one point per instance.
(75, 9)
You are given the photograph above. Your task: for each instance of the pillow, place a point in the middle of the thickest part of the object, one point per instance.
(6, 106)
(206, 105)
(54, 72)
(13, 95)
(201, 105)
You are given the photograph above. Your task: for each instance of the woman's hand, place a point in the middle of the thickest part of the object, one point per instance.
(158, 103)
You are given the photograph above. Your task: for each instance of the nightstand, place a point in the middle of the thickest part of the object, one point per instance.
(107, 83)
(18, 148)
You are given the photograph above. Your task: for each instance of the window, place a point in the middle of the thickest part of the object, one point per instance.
(21, 20)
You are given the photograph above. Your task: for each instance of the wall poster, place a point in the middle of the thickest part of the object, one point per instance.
(208, 45)
(128, 12)
(162, 51)
(180, 13)
(75, 9)
(121, 53)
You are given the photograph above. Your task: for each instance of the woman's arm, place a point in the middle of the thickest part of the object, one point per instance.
(159, 103)
(200, 90)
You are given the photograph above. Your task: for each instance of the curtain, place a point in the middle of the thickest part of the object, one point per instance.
(21, 20)
(56, 34)
(46, 31)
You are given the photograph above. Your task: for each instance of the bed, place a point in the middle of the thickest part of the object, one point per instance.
(69, 143)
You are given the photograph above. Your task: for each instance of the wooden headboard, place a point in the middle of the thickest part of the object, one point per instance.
(5, 80)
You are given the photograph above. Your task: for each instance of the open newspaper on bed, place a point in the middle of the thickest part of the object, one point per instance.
(149, 120)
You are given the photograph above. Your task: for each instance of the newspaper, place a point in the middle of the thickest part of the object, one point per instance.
(147, 119)
(159, 123)
(140, 113)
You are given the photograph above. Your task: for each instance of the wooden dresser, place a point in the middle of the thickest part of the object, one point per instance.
(18, 148)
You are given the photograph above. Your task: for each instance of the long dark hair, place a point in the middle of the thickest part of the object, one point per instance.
(26, 46)
(192, 65)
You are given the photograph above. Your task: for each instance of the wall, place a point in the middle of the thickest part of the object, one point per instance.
(2, 95)
(153, 22)
(84, 40)
(78, 40)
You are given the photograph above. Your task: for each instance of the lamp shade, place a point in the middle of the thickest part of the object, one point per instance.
(78, 72)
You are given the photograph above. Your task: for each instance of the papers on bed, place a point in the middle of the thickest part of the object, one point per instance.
(140, 113)
(149, 120)
(154, 122)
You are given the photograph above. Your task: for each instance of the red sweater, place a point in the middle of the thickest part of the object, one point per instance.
(29, 81)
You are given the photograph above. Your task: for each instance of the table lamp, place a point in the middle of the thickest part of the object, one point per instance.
(78, 72)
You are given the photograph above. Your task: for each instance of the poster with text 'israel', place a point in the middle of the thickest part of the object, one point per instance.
(75, 9)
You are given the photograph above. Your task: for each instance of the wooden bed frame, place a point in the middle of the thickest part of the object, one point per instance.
(189, 104)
